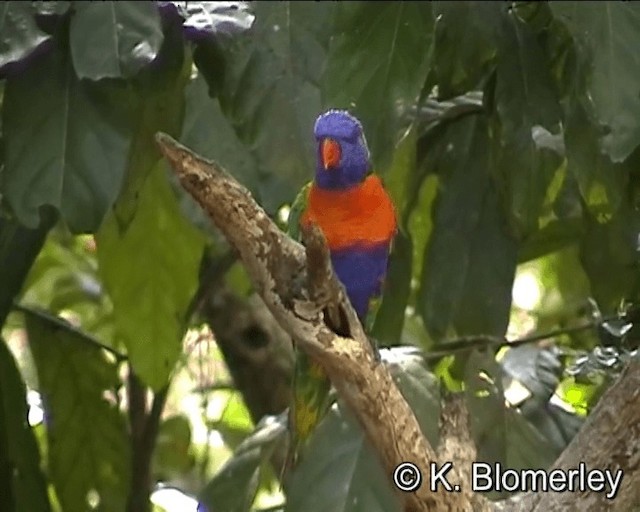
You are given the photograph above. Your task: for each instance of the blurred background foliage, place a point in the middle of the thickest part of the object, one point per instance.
(135, 356)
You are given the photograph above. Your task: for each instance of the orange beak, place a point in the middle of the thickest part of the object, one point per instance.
(331, 153)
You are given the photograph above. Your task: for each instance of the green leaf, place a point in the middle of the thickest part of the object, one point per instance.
(66, 147)
(22, 484)
(377, 64)
(114, 39)
(527, 108)
(397, 286)
(150, 269)
(172, 457)
(465, 44)
(470, 259)
(87, 440)
(501, 434)
(19, 34)
(610, 259)
(602, 183)
(207, 132)
(157, 104)
(607, 36)
(339, 470)
(19, 247)
(267, 85)
(234, 486)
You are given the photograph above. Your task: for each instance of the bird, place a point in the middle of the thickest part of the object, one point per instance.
(350, 205)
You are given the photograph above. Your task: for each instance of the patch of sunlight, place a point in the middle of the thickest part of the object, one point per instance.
(526, 291)
(283, 213)
(516, 393)
(36, 413)
(172, 500)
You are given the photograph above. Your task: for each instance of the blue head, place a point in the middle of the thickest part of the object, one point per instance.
(343, 156)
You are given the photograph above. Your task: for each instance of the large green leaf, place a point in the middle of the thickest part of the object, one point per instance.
(22, 485)
(501, 434)
(267, 85)
(390, 317)
(65, 145)
(602, 183)
(114, 39)
(157, 104)
(465, 43)
(377, 65)
(19, 247)
(609, 257)
(87, 440)
(207, 132)
(528, 110)
(234, 486)
(339, 470)
(150, 269)
(19, 34)
(470, 259)
(607, 36)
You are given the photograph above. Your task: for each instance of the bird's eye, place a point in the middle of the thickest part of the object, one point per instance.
(331, 153)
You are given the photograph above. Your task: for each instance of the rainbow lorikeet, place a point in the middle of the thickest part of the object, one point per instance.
(357, 218)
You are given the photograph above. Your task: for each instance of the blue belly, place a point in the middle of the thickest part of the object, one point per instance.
(361, 269)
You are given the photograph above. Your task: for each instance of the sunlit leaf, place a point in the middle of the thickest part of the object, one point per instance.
(150, 269)
(88, 449)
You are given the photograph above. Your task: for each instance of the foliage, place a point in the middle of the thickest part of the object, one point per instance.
(507, 134)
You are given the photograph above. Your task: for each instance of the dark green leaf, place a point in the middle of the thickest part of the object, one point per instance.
(470, 259)
(602, 183)
(339, 470)
(19, 34)
(22, 485)
(528, 112)
(66, 148)
(607, 36)
(114, 39)
(207, 132)
(501, 434)
(19, 247)
(234, 487)
(377, 64)
(397, 286)
(268, 91)
(610, 259)
(87, 440)
(150, 269)
(465, 43)
(206, 19)
(172, 457)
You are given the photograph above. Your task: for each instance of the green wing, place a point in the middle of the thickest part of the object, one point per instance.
(311, 387)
